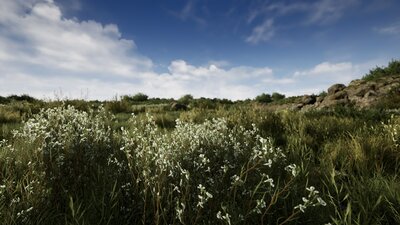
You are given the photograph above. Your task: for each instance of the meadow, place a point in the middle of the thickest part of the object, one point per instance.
(219, 162)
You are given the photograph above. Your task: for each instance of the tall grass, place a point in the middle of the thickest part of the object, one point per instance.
(235, 165)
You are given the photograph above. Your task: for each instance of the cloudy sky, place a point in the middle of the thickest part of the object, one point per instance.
(236, 49)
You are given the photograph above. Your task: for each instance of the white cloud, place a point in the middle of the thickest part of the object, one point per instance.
(42, 37)
(393, 29)
(327, 11)
(262, 32)
(323, 75)
(189, 13)
(42, 52)
(327, 68)
(211, 81)
(319, 12)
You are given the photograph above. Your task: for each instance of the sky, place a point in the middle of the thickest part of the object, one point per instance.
(235, 49)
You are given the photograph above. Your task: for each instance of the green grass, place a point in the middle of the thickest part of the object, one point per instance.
(80, 163)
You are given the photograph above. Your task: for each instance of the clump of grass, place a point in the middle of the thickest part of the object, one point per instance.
(119, 106)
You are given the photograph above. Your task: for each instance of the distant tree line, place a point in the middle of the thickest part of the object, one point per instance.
(11, 98)
(267, 98)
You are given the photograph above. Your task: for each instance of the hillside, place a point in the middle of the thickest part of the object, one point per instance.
(358, 93)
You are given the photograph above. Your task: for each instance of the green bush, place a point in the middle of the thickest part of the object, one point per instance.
(393, 68)
(61, 157)
(186, 99)
(277, 96)
(116, 106)
(263, 98)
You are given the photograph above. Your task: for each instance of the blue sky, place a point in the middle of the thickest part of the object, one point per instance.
(213, 48)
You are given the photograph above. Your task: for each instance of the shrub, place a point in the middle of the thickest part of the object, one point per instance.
(121, 106)
(139, 97)
(393, 68)
(186, 99)
(210, 173)
(277, 96)
(263, 98)
(23, 97)
(68, 160)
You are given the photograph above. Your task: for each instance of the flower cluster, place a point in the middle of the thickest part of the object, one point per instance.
(312, 199)
(393, 129)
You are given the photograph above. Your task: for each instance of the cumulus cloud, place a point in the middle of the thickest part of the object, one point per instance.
(42, 37)
(211, 81)
(39, 45)
(322, 75)
(43, 52)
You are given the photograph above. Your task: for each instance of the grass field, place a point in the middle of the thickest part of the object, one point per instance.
(229, 164)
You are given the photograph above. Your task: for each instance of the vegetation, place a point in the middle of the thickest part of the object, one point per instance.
(186, 99)
(277, 96)
(221, 162)
(263, 98)
(139, 97)
(393, 68)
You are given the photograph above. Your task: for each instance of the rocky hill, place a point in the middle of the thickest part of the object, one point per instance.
(359, 93)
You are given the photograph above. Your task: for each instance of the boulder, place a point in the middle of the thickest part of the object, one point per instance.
(177, 106)
(320, 99)
(296, 107)
(370, 93)
(357, 82)
(340, 95)
(335, 88)
(308, 99)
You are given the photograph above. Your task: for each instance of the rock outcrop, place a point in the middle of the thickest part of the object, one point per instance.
(359, 93)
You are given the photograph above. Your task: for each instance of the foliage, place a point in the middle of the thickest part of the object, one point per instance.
(263, 98)
(75, 162)
(138, 97)
(119, 106)
(277, 96)
(186, 99)
(393, 68)
(69, 165)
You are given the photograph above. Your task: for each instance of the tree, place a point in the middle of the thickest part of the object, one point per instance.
(277, 96)
(186, 99)
(139, 97)
(264, 98)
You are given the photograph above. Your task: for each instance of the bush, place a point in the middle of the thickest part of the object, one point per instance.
(121, 106)
(188, 173)
(186, 99)
(139, 97)
(263, 98)
(393, 68)
(64, 156)
(277, 96)
(23, 97)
